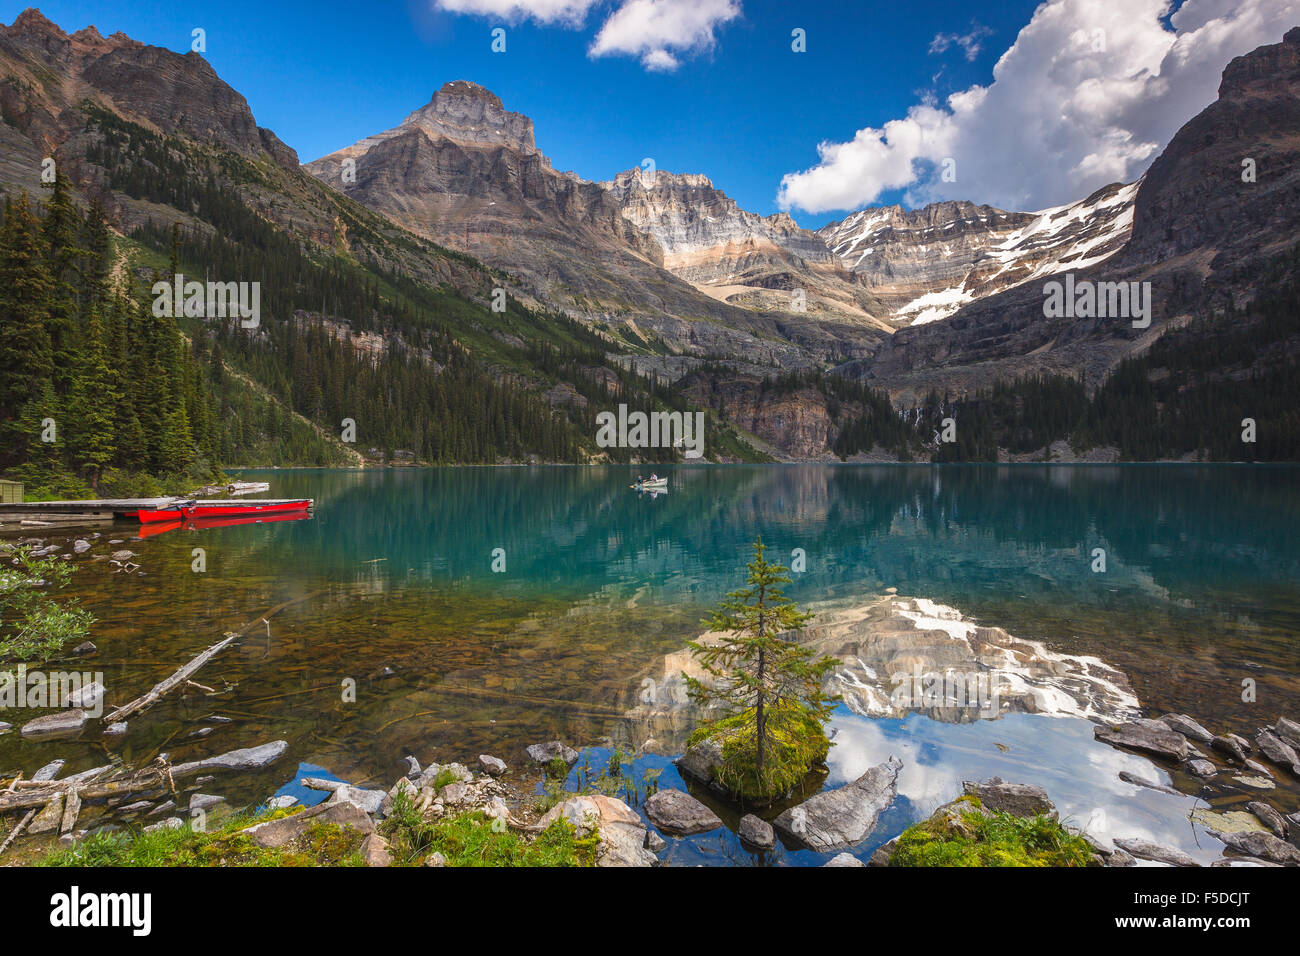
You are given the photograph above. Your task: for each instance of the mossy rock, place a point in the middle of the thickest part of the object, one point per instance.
(965, 834)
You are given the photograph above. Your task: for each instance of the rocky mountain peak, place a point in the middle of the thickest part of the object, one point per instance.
(1260, 70)
(473, 115)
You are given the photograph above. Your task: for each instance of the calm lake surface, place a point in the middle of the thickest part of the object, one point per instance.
(391, 585)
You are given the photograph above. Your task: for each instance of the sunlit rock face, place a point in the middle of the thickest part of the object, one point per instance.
(900, 656)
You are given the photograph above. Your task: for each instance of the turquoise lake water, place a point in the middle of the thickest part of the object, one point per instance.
(391, 586)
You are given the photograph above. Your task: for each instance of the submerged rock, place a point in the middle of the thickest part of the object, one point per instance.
(249, 758)
(675, 811)
(1198, 767)
(1148, 736)
(64, 723)
(843, 817)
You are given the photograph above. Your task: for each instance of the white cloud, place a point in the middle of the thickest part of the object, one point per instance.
(971, 43)
(656, 30)
(567, 12)
(1088, 94)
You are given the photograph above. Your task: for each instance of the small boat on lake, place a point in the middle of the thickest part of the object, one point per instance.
(653, 483)
(186, 509)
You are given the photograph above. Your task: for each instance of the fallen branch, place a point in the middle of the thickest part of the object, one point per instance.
(13, 834)
(163, 686)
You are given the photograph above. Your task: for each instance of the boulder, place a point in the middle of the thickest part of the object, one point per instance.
(205, 801)
(369, 801)
(622, 832)
(654, 842)
(1017, 799)
(1120, 858)
(1187, 727)
(756, 832)
(491, 765)
(844, 859)
(545, 753)
(675, 811)
(1147, 736)
(1201, 768)
(702, 762)
(1146, 850)
(81, 545)
(835, 819)
(85, 648)
(277, 833)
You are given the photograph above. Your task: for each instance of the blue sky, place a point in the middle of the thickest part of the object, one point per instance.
(1088, 91)
(323, 75)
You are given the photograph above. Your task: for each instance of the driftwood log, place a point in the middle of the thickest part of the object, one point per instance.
(163, 686)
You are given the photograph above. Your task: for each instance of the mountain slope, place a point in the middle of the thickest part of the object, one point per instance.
(361, 319)
(464, 171)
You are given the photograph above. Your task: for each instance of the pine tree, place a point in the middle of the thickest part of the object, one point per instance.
(26, 360)
(93, 404)
(767, 687)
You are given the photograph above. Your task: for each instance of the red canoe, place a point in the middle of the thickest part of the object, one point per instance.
(184, 510)
(200, 524)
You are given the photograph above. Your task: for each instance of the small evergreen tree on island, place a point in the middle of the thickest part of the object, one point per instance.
(767, 688)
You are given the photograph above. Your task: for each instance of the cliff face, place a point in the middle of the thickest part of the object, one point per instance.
(160, 89)
(1194, 196)
(753, 261)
